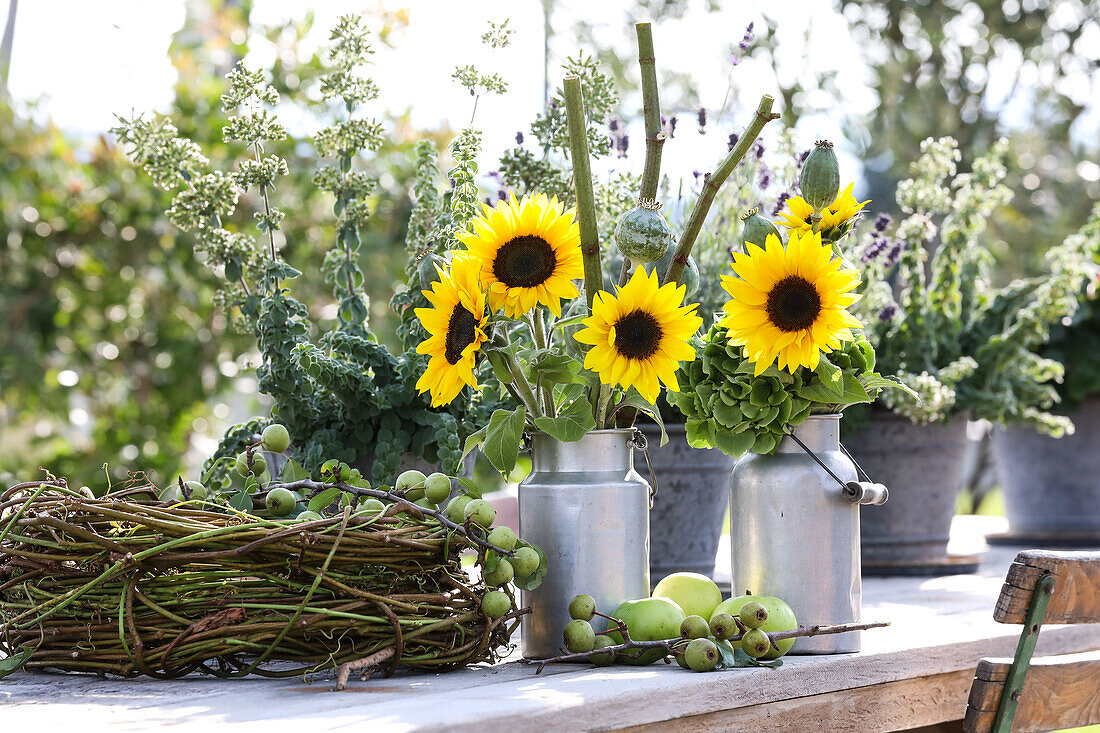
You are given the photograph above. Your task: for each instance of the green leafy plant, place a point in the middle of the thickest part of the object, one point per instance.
(964, 346)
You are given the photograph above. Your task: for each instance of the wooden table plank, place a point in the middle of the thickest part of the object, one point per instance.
(891, 706)
(941, 627)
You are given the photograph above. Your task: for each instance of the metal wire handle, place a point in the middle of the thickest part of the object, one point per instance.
(855, 463)
(638, 441)
(866, 492)
(811, 454)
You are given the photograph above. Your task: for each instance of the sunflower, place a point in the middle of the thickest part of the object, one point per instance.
(456, 324)
(529, 252)
(789, 304)
(836, 220)
(639, 337)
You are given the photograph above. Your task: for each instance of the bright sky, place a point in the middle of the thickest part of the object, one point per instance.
(86, 61)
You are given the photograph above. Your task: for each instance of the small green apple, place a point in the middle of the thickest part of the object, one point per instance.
(695, 594)
(456, 508)
(275, 438)
(648, 619)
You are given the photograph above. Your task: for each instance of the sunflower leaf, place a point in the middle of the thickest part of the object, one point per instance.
(551, 368)
(571, 424)
(568, 321)
(475, 440)
(830, 374)
(854, 391)
(633, 399)
(502, 438)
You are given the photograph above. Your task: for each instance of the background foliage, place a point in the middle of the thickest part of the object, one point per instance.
(112, 351)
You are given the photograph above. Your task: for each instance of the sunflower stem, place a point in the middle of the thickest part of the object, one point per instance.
(714, 181)
(651, 113)
(601, 406)
(582, 182)
(523, 387)
(538, 334)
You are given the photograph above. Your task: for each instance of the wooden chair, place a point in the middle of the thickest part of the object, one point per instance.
(1022, 694)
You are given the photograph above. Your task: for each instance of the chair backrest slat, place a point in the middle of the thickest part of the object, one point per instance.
(1076, 598)
(1059, 692)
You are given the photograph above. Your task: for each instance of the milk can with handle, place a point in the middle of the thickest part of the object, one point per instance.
(794, 530)
(587, 508)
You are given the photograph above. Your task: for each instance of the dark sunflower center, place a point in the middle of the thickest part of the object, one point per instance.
(793, 304)
(637, 335)
(460, 333)
(525, 262)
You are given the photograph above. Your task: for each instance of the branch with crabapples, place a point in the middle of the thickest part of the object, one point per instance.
(669, 645)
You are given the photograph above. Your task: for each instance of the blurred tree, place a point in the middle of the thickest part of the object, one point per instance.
(112, 351)
(978, 70)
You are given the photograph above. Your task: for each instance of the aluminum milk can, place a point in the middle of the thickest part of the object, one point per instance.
(794, 531)
(588, 509)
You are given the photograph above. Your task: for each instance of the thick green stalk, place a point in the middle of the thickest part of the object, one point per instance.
(714, 182)
(523, 387)
(582, 182)
(651, 112)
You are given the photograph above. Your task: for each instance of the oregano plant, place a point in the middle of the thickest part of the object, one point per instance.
(339, 391)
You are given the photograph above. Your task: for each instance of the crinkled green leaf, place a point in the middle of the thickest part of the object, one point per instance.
(502, 438)
(572, 423)
(734, 444)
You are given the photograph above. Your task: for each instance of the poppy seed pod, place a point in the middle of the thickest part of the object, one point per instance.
(757, 228)
(642, 234)
(820, 178)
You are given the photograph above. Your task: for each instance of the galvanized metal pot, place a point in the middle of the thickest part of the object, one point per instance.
(685, 523)
(923, 466)
(588, 509)
(794, 531)
(1052, 486)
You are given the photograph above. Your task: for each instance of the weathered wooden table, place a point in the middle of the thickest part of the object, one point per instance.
(914, 673)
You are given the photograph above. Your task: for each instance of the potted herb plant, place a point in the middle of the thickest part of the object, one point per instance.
(1052, 486)
(967, 349)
